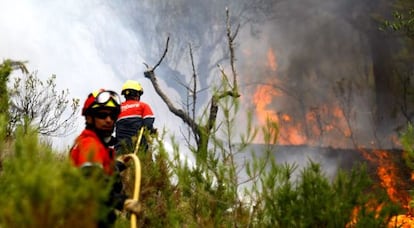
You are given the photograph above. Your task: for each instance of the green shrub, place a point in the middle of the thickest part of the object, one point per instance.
(39, 188)
(314, 201)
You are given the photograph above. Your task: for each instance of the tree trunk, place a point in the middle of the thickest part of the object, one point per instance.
(385, 88)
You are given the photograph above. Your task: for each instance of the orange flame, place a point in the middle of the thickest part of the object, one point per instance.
(296, 130)
(271, 60)
(388, 173)
(315, 125)
(262, 98)
(403, 221)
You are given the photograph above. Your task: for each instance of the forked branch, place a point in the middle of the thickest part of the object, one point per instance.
(201, 132)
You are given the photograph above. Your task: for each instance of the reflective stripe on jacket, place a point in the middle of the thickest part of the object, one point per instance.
(135, 109)
(134, 115)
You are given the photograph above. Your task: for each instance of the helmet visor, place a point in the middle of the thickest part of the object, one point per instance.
(104, 97)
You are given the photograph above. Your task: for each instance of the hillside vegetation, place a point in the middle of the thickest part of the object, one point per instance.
(41, 189)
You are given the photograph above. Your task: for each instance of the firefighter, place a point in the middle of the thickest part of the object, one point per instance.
(134, 115)
(93, 150)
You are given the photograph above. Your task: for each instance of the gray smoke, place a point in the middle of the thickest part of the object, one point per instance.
(322, 57)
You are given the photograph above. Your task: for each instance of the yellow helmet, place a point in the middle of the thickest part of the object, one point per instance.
(132, 85)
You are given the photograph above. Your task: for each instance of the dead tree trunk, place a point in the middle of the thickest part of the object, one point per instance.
(202, 132)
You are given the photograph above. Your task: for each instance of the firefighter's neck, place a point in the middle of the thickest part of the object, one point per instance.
(135, 98)
(104, 136)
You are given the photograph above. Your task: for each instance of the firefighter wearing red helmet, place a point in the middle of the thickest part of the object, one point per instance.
(93, 148)
(134, 115)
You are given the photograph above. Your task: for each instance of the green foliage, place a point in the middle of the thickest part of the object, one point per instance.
(312, 201)
(5, 71)
(407, 141)
(39, 188)
(177, 193)
(157, 194)
(403, 19)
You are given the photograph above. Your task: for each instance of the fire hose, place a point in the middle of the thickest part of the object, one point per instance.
(137, 182)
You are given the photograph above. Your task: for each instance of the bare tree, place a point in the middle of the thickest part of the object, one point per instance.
(204, 30)
(40, 104)
(201, 131)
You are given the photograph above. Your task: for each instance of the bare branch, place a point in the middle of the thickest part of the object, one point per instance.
(163, 55)
(43, 106)
(194, 91)
(19, 65)
(230, 40)
(178, 112)
(202, 133)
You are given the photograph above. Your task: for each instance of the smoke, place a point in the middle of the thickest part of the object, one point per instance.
(320, 57)
(324, 76)
(84, 43)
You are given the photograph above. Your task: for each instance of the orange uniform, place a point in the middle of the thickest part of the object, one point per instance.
(89, 150)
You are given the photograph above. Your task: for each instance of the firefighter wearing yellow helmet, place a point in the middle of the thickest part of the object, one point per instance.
(134, 115)
(131, 87)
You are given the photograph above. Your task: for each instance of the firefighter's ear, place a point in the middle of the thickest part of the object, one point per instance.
(89, 119)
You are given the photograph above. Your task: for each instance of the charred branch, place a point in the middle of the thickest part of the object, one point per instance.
(150, 74)
(230, 39)
(194, 91)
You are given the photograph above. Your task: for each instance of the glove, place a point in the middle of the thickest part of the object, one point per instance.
(123, 158)
(133, 206)
(120, 165)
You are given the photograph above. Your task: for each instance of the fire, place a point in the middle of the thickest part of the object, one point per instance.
(271, 60)
(262, 98)
(341, 122)
(372, 206)
(286, 118)
(388, 174)
(294, 131)
(322, 125)
(403, 221)
(326, 124)
(390, 180)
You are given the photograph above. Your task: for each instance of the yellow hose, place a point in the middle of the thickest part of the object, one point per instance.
(137, 183)
(141, 132)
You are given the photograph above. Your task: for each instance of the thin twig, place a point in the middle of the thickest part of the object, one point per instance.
(194, 91)
(163, 55)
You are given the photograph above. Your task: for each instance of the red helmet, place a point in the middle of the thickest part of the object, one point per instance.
(101, 99)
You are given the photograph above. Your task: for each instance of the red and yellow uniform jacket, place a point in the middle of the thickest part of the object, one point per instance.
(89, 150)
(136, 109)
(134, 115)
